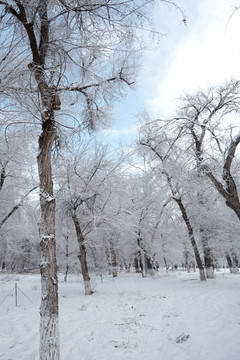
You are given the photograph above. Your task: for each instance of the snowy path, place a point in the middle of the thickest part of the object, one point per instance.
(168, 317)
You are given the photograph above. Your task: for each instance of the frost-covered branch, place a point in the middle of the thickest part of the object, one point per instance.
(16, 207)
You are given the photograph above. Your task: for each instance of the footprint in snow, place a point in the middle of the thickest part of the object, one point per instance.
(182, 338)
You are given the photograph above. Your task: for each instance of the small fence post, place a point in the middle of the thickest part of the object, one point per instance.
(15, 289)
(16, 294)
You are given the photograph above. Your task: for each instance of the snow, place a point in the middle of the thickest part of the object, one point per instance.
(172, 316)
(48, 237)
(47, 197)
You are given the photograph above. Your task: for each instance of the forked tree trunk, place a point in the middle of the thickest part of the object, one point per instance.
(49, 323)
(82, 255)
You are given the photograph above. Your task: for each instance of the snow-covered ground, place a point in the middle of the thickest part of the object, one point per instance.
(170, 316)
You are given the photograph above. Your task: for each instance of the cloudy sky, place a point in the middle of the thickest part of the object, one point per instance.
(204, 52)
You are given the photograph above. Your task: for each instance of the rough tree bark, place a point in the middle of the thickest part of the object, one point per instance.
(192, 238)
(49, 324)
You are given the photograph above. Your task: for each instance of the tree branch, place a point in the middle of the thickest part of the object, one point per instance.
(16, 207)
(227, 177)
(44, 33)
(21, 17)
(85, 87)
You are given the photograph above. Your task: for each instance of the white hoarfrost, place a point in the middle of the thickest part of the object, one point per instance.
(47, 237)
(47, 197)
(210, 272)
(44, 263)
(54, 280)
(50, 326)
(87, 286)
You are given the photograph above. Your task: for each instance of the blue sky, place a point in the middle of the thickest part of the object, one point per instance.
(192, 57)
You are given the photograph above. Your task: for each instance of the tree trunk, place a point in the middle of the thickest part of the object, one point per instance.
(113, 258)
(82, 256)
(192, 239)
(93, 256)
(166, 264)
(136, 264)
(233, 269)
(108, 260)
(148, 265)
(235, 260)
(49, 327)
(207, 252)
(140, 255)
(67, 254)
(202, 274)
(4, 248)
(209, 270)
(3, 266)
(193, 266)
(208, 258)
(186, 256)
